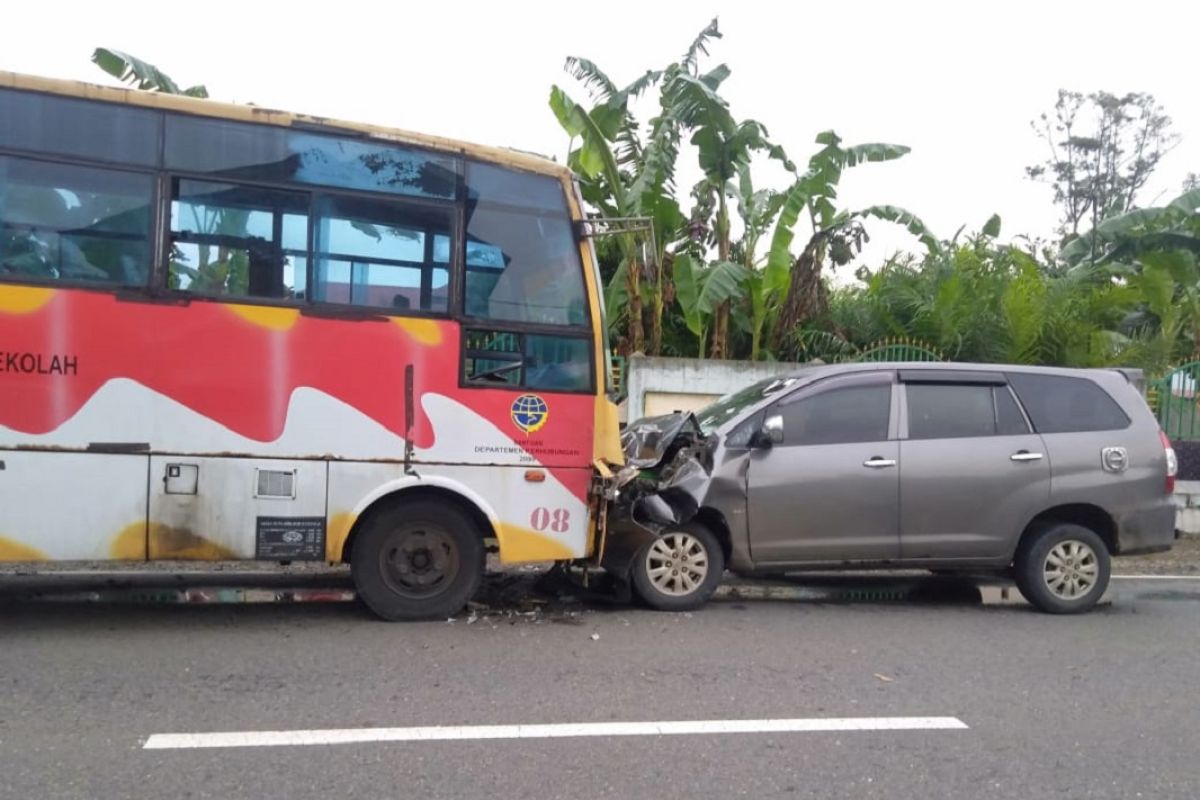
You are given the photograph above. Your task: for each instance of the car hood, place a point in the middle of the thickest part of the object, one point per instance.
(646, 441)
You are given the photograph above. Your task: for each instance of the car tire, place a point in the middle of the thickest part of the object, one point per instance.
(1062, 568)
(680, 569)
(421, 559)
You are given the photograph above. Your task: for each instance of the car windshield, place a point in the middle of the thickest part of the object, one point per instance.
(721, 411)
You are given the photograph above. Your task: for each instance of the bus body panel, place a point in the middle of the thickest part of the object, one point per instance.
(72, 506)
(532, 520)
(228, 391)
(144, 417)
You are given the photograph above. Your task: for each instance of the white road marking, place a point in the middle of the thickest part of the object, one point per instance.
(1156, 577)
(185, 741)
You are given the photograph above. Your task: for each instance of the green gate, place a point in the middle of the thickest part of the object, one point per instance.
(1176, 403)
(898, 350)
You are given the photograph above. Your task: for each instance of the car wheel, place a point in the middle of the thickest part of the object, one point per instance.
(417, 560)
(1063, 568)
(680, 569)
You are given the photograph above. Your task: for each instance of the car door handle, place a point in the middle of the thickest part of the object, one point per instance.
(879, 463)
(1025, 455)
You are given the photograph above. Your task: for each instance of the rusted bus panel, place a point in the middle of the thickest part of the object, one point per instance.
(211, 509)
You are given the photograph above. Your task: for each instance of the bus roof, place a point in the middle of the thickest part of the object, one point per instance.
(286, 119)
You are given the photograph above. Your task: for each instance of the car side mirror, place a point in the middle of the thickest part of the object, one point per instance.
(770, 434)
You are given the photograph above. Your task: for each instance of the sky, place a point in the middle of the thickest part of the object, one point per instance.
(958, 82)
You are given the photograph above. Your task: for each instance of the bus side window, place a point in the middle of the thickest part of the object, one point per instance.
(60, 222)
(527, 360)
(382, 254)
(239, 241)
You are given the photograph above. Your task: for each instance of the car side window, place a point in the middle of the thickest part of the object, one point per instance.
(1066, 404)
(1009, 419)
(954, 411)
(846, 414)
(939, 411)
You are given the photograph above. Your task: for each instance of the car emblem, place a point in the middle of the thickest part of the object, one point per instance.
(1114, 459)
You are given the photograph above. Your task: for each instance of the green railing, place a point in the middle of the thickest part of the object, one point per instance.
(1176, 401)
(618, 375)
(897, 350)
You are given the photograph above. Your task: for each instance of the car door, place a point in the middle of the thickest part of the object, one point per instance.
(972, 471)
(827, 489)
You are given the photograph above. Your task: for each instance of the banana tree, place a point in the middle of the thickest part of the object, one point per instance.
(1154, 250)
(623, 176)
(837, 235)
(757, 210)
(140, 74)
(701, 290)
(725, 147)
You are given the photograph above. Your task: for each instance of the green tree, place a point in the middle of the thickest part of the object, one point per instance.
(976, 300)
(626, 174)
(796, 284)
(140, 74)
(1103, 149)
(1154, 251)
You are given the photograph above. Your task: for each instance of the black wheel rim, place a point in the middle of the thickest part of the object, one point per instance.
(419, 561)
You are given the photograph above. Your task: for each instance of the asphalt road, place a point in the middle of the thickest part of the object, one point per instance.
(1101, 706)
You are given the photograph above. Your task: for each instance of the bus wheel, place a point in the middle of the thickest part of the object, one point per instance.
(417, 560)
(680, 569)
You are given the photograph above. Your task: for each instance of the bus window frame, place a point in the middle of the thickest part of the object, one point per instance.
(151, 238)
(536, 330)
(341, 309)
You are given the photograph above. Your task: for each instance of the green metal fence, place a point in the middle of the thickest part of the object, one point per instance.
(1176, 403)
(898, 350)
(618, 375)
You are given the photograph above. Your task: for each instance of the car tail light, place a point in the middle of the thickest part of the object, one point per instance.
(1172, 462)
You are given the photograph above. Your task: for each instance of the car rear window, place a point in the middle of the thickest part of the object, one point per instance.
(1061, 404)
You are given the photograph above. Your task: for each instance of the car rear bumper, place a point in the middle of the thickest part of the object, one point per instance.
(1147, 530)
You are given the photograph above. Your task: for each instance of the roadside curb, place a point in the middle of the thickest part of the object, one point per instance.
(145, 589)
(194, 596)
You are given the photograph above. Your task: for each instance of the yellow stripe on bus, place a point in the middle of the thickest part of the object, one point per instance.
(130, 543)
(519, 544)
(275, 319)
(339, 527)
(423, 331)
(23, 299)
(15, 551)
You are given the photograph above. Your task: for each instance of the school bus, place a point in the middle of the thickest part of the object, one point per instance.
(229, 332)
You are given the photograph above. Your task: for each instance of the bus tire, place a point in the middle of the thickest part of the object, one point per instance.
(680, 569)
(421, 559)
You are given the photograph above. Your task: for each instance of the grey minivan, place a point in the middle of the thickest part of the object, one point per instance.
(1042, 474)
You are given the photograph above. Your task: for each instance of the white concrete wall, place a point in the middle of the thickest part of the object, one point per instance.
(662, 385)
(1187, 498)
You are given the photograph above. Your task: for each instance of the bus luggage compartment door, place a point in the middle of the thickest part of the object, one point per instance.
(72, 506)
(219, 508)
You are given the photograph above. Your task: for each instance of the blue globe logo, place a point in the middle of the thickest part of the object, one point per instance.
(529, 413)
